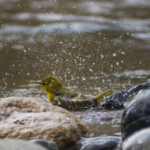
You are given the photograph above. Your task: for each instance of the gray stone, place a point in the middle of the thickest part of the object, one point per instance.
(98, 143)
(139, 140)
(17, 144)
(118, 99)
(50, 145)
(136, 114)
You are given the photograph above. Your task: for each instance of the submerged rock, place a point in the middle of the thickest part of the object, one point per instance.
(29, 118)
(118, 99)
(17, 144)
(136, 114)
(139, 140)
(99, 143)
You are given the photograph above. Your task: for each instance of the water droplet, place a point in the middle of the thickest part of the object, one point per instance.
(83, 78)
(90, 70)
(114, 54)
(122, 53)
(117, 63)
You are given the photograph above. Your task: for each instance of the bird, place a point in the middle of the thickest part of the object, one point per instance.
(64, 97)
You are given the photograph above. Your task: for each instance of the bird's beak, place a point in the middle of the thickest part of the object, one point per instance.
(38, 83)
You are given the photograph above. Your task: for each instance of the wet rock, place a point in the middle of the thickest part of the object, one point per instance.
(136, 114)
(94, 116)
(99, 143)
(118, 99)
(139, 140)
(17, 144)
(29, 118)
(50, 145)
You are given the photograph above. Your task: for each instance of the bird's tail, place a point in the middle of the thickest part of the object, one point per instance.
(102, 95)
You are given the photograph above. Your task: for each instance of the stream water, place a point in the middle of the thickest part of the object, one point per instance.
(89, 45)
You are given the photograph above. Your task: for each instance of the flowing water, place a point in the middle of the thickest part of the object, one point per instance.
(89, 45)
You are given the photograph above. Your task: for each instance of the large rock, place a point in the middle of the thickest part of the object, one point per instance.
(29, 118)
(139, 140)
(136, 114)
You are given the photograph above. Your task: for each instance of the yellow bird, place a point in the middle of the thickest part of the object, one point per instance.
(66, 98)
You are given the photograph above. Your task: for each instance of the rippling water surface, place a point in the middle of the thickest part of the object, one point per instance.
(88, 45)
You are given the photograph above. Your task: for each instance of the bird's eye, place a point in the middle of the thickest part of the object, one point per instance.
(43, 83)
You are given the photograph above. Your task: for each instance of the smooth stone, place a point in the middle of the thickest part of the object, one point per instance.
(29, 118)
(98, 143)
(136, 114)
(17, 144)
(139, 140)
(50, 145)
(117, 100)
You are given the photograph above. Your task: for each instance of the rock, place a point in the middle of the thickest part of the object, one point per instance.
(99, 116)
(29, 118)
(136, 114)
(98, 143)
(17, 144)
(50, 145)
(118, 99)
(139, 140)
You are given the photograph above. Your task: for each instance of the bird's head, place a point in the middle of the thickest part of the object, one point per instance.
(50, 84)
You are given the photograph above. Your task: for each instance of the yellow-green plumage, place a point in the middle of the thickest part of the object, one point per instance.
(66, 98)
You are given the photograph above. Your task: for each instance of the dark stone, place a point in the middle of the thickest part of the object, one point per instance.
(117, 100)
(50, 145)
(136, 114)
(139, 140)
(98, 143)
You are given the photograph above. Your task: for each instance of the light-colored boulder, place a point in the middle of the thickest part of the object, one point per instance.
(13, 144)
(29, 118)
